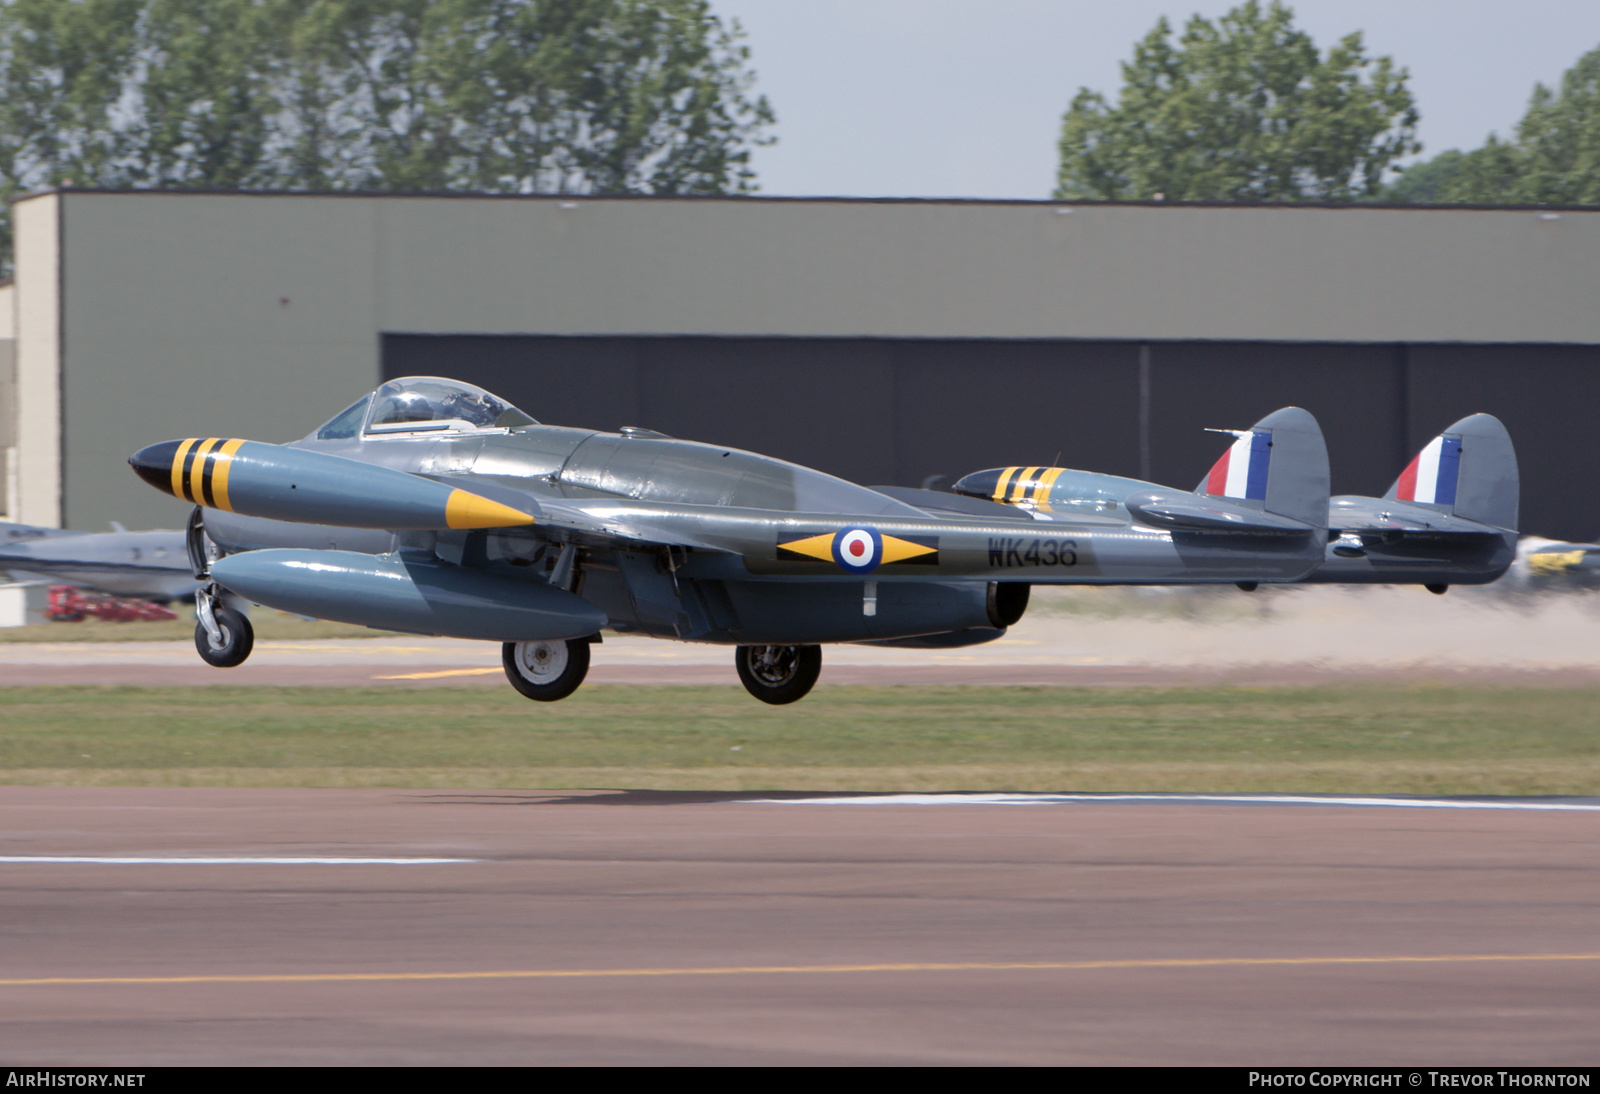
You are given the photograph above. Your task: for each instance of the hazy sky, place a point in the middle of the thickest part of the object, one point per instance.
(963, 98)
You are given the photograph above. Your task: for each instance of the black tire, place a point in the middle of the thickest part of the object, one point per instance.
(546, 671)
(778, 674)
(238, 639)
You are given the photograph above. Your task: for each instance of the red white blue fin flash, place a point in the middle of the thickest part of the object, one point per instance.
(1431, 477)
(1242, 471)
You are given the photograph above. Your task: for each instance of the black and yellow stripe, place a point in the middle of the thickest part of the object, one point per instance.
(200, 470)
(176, 471)
(1028, 487)
(195, 470)
(1000, 483)
(1041, 493)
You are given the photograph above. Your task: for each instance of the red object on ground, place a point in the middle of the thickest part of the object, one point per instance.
(70, 604)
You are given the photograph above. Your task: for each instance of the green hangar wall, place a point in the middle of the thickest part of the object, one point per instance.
(886, 341)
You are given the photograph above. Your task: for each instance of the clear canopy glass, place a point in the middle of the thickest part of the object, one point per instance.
(434, 404)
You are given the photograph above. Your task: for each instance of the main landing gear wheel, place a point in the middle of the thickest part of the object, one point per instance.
(778, 674)
(236, 638)
(546, 671)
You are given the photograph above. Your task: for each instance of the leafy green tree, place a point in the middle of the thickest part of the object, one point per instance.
(501, 96)
(60, 67)
(1241, 109)
(201, 98)
(513, 95)
(1553, 160)
(1491, 175)
(1558, 140)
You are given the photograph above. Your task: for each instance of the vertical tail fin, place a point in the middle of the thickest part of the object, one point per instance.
(1280, 465)
(1469, 470)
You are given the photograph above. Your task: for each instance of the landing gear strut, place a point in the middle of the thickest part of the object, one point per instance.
(546, 671)
(223, 636)
(778, 674)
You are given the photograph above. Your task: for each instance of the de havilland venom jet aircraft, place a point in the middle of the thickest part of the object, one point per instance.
(431, 506)
(1449, 519)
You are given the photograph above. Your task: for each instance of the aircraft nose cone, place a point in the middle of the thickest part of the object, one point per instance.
(153, 464)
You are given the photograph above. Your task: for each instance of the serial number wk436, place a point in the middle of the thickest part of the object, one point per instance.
(1005, 551)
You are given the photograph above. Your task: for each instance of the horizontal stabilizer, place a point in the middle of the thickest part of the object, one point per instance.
(1189, 512)
(1386, 516)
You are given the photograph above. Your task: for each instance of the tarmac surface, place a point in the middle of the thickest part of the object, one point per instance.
(149, 926)
(143, 927)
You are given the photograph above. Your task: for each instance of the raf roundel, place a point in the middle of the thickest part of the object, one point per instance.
(858, 550)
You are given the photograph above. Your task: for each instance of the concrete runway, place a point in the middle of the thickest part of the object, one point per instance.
(658, 928)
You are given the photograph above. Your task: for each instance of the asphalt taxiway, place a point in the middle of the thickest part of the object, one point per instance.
(211, 926)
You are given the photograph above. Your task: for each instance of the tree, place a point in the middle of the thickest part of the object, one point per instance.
(501, 96)
(1491, 175)
(1558, 140)
(1553, 160)
(59, 66)
(1243, 109)
(1427, 180)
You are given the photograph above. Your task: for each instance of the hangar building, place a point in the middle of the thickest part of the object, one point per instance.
(886, 341)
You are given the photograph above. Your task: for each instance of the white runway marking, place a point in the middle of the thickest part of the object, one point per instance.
(1225, 799)
(224, 860)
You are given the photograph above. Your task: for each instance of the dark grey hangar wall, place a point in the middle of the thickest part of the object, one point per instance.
(900, 410)
(883, 340)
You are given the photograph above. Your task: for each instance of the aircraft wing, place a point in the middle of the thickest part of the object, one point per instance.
(125, 563)
(998, 544)
(600, 520)
(18, 533)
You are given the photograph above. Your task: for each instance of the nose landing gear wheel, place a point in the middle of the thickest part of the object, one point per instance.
(778, 674)
(546, 671)
(237, 638)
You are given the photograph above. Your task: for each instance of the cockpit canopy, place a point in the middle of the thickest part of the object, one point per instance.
(423, 404)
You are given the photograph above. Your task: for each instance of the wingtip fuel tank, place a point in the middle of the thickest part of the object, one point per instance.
(256, 479)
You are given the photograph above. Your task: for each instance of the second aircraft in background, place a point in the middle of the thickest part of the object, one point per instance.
(1449, 519)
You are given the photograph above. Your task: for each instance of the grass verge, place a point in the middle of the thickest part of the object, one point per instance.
(1346, 739)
